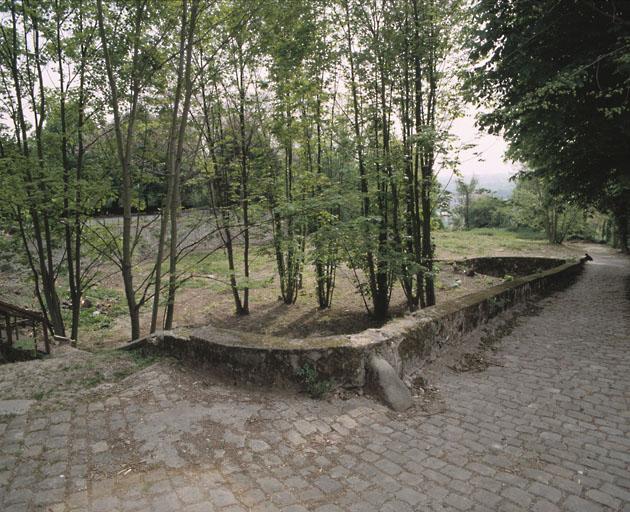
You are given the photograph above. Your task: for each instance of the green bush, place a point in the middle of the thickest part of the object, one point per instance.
(311, 382)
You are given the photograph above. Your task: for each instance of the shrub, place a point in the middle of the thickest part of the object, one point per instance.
(312, 384)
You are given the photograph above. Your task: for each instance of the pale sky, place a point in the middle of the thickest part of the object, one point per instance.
(485, 160)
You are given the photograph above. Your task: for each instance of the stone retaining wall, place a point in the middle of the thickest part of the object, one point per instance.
(265, 365)
(408, 342)
(405, 343)
(515, 266)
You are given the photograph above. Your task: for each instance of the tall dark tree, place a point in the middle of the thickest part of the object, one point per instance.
(557, 75)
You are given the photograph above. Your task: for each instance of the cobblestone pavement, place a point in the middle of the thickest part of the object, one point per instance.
(545, 428)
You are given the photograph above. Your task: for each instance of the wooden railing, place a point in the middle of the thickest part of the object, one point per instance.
(13, 317)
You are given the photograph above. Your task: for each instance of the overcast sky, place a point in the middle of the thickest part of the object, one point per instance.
(485, 160)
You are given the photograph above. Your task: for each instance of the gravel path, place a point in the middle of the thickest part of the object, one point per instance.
(545, 428)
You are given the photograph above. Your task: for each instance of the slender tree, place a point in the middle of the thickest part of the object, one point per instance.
(22, 72)
(138, 51)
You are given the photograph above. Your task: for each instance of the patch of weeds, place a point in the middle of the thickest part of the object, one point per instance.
(41, 395)
(123, 373)
(311, 381)
(497, 302)
(139, 361)
(122, 363)
(93, 381)
(195, 282)
(486, 241)
(142, 359)
(101, 306)
(24, 344)
(92, 319)
(528, 234)
(139, 358)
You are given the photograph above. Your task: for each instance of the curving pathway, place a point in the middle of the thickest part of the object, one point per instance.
(546, 429)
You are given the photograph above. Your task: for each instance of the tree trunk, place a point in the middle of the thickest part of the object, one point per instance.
(170, 186)
(176, 199)
(363, 179)
(621, 220)
(244, 190)
(42, 265)
(70, 239)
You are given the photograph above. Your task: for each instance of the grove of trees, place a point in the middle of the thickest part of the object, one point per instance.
(319, 125)
(531, 207)
(318, 122)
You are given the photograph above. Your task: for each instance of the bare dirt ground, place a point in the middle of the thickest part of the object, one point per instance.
(205, 300)
(205, 303)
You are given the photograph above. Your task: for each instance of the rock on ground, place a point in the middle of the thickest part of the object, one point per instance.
(385, 381)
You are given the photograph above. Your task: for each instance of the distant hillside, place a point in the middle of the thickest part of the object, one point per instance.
(499, 182)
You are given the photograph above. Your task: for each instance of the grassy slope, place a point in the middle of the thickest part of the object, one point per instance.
(498, 242)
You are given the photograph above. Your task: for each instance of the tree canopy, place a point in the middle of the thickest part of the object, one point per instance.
(554, 78)
(319, 123)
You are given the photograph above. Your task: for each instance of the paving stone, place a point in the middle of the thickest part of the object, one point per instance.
(105, 504)
(305, 428)
(603, 498)
(166, 503)
(458, 501)
(327, 484)
(517, 496)
(545, 506)
(100, 447)
(545, 491)
(258, 445)
(12, 407)
(410, 496)
(577, 504)
(189, 494)
(199, 507)
(222, 498)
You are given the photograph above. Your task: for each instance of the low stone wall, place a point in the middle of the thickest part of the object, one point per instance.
(408, 342)
(405, 343)
(516, 266)
(272, 362)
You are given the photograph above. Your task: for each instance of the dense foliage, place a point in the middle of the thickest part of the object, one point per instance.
(555, 76)
(532, 207)
(315, 122)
